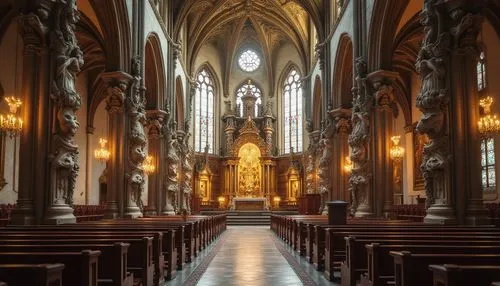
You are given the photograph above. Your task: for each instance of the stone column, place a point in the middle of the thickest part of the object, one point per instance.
(170, 188)
(34, 137)
(155, 148)
(268, 128)
(340, 152)
(326, 157)
(231, 174)
(360, 181)
(186, 156)
(66, 59)
(446, 64)
(311, 170)
(384, 111)
(230, 121)
(466, 19)
(117, 85)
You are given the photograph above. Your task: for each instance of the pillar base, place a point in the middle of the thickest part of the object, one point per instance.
(364, 212)
(476, 213)
(111, 211)
(133, 212)
(23, 213)
(59, 214)
(150, 212)
(168, 210)
(324, 211)
(388, 209)
(440, 214)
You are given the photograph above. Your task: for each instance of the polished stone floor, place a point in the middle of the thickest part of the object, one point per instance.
(249, 255)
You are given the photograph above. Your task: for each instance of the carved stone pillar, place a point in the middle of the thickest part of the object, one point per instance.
(117, 83)
(63, 160)
(340, 151)
(136, 139)
(268, 127)
(171, 185)
(446, 64)
(466, 19)
(385, 110)
(230, 121)
(187, 160)
(231, 178)
(155, 148)
(267, 165)
(324, 164)
(311, 168)
(33, 141)
(360, 181)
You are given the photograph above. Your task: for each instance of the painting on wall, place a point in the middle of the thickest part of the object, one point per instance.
(419, 141)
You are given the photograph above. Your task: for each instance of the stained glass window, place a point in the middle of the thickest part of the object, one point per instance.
(204, 113)
(488, 176)
(255, 91)
(292, 112)
(249, 61)
(481, 72)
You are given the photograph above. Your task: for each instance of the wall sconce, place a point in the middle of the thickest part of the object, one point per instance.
(488, 124)
(148, 166)
(11, 124)
(348, 165)
(102, 154)
(396, 152)
(221, 200)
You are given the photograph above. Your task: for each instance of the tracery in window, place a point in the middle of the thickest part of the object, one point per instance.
(249, 61)
(488, 174)
(204, 113)
(255, 92)
(292, 112)
(481, 72)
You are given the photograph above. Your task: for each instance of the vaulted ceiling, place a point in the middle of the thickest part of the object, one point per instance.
(227, 23)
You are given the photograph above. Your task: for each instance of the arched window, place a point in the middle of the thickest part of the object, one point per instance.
(255, 92)
(481, 72)
(292, 112)
(488, 173)
(488, 176)
(204, 113)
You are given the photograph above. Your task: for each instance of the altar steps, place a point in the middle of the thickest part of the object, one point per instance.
(248, 218)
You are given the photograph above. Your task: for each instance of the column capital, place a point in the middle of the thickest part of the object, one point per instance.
(117, 84)
(155, 122)
(342, 119)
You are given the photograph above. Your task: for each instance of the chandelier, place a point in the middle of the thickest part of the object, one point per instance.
(148, 166)
(397, 152)
(348, 165)
(11, 124)
(488, 124)
(102, 154)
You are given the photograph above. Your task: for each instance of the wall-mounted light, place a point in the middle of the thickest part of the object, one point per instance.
(397, 152)
(348, 165)
(488, 124)
(148, 166)
(11, 124)
(102, 154)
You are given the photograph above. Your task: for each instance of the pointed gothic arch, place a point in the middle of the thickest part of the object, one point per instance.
(343, 74)
(317, 106)
(179, 103)
(154, 74)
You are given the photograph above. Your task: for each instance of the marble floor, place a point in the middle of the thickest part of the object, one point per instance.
(249, 255)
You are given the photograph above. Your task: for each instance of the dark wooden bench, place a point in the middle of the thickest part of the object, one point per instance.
(413, 269)
(31, 274)
(112, 266)
(464, 275)
(80, 268)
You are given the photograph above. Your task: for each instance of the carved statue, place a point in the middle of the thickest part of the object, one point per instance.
(67, 61)
(187, 169)
(172, 162)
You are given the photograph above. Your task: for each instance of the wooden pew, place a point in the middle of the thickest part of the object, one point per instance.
(112, 266)
(413, 269)
(464, 275)
(139, 256)
(380, 266)
(31, 274)
(80, 268)
(159, 251)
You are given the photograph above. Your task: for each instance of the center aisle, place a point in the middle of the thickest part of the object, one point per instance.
(249, 257)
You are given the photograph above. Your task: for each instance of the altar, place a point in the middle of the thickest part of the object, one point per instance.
(250, 204)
